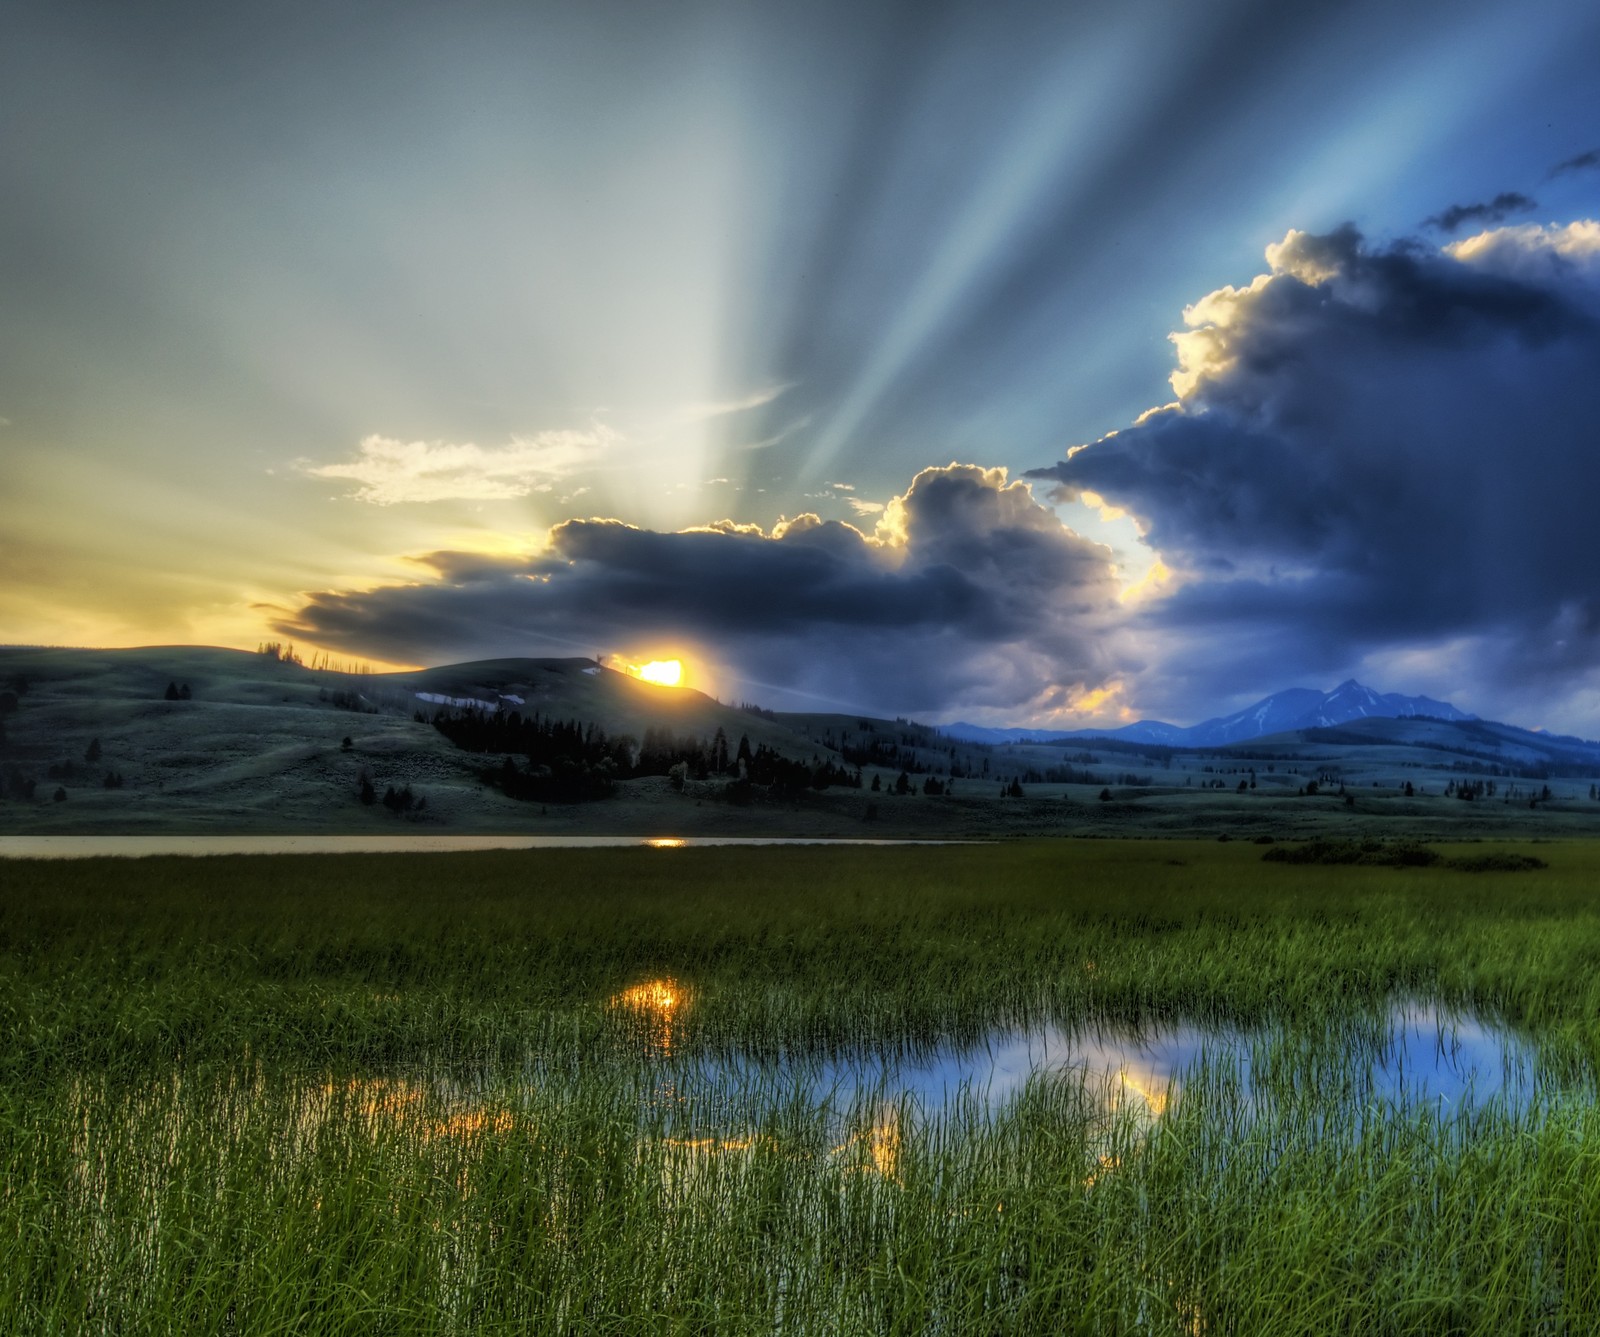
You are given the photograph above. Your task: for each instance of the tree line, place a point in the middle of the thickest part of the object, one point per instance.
(569, 761)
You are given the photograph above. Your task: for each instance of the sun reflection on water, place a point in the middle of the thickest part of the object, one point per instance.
(653, 1007)
(394, 1103)
(657, 996)
(1104, 1164)
(711, 1144)
(1153, 1098)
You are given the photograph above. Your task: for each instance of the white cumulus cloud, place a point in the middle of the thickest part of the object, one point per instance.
(1532, 251)
(388, 471)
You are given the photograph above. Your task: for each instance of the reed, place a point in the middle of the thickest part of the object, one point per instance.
(569, 1091)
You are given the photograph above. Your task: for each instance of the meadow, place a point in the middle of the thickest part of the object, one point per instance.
(575, 1091)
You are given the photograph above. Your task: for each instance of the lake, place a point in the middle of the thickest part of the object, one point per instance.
(134, 847)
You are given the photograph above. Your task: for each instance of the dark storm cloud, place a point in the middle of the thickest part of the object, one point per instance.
(950, 198)
(1581, 162)
(1497, 210)
(1376, 449)
(969, 589)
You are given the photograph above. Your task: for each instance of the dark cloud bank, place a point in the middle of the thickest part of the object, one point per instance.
(1383, 460)
(970, 590)
(1580, 162)
(1382, 454)
(1497, 210)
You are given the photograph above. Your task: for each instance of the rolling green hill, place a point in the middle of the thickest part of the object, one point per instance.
(256, 744)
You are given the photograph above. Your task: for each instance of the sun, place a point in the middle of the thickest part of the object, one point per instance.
(662, 672)
(656, 672)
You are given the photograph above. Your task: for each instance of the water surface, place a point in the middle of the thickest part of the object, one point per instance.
(1418, 1057)
(93, 847)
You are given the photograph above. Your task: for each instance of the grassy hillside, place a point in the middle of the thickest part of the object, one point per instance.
(257, 743)
(258, 746)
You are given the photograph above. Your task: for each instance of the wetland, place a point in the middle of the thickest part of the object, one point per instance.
(1075, 1086)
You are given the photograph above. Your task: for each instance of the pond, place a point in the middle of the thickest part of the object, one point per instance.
(1420, 1057)
(1112, 1087)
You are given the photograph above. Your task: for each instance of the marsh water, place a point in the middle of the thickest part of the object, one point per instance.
(1423, 1057)
(1119, 1085)
(91, 847)
(1420, 1057)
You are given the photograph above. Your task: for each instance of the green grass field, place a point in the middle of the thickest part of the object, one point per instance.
(453, 1093)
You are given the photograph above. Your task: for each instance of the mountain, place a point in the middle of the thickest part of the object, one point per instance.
(1282, 712)
(1303, 708)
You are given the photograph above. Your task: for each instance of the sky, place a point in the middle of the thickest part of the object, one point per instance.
(1027, 363)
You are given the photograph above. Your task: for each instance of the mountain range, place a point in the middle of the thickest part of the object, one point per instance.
(1282, 712)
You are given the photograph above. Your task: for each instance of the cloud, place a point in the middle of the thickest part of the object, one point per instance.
(721, 408)
(782, 434)
(968, 590)
(1375, 450)
(1581, 162)
(388, 471)
(1496, 210)
(1549, 256)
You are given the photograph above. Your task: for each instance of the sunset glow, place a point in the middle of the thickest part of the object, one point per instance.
(661, 672)
(765, 391)
(656, 996)
(655, 1006)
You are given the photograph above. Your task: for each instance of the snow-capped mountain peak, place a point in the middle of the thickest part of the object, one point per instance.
(1282, 712)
